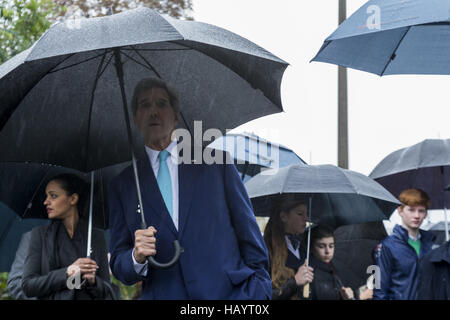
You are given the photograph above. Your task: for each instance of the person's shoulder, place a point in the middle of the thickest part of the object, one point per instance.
(37, 233)
(39, 229)
(427, 236)
(211, 156)
(388, 241)
(437, 254)
(126, 173)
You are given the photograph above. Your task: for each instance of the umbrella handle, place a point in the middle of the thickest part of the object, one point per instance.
(178, 251)
(306, 291)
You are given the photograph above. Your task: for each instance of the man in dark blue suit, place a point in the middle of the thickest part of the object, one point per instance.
(203, 206)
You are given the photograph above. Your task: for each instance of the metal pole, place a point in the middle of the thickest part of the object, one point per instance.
(342, 103)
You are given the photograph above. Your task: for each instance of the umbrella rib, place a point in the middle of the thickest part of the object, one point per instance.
(91, 103)
(179, 49)
(140, 63)
(75, 64)
(185, 123)
(320, 50)
(159, 76)
(106, 64)
(7, 113)
(392, 57)
(148, 63)
(35, 191)
(237, 73)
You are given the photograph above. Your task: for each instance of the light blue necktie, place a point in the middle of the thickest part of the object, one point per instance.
(164, 181)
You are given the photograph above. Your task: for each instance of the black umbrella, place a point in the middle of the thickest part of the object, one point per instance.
(64, 100)
(425, 165)
(354, 247)
(22, 189)
(336, 196)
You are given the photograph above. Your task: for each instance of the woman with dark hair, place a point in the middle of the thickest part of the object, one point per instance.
(327, 284)
(55, 267)
(287, 254)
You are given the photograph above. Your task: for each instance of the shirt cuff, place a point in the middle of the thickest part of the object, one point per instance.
(140, 268)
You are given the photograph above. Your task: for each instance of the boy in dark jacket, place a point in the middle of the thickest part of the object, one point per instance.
(399, 254)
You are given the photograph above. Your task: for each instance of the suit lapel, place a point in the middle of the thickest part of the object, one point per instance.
(152, 198)
(187, 174)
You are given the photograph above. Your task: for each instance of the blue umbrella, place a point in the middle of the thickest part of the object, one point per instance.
(11, 230)
(393, 37)
(251, 153)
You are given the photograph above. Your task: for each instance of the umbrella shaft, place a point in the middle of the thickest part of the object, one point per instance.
(446, 224)
(91, 202)
(119, 71)
(309, 231)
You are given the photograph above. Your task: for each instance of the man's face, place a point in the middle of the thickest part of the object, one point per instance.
(155, 117)
(412, 216)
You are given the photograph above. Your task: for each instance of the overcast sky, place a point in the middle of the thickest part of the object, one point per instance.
(385, 113)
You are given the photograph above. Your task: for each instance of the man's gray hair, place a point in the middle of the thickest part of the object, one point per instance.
(149, 83)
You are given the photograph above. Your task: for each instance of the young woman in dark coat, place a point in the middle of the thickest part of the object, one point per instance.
(57, 252)
(287, 255)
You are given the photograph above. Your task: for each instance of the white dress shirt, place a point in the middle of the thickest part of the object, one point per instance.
(172, 164)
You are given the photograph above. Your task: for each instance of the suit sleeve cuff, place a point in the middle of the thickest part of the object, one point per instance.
(140, 268)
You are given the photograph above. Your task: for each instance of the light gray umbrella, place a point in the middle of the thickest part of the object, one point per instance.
(64, 101)
(336, 196)
(339, 196)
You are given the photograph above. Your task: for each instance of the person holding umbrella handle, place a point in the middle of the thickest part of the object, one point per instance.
(289, 270)
(202, 207)
(145, 244)
(56, 251)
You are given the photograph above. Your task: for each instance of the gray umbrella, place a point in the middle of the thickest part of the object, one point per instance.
(64, 100)
(336, 196)
(339, 196)
(425, 165)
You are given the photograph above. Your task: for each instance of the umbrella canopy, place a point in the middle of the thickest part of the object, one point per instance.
(67, 85)
(339, 196)
(12, 227)
(22, 189)
(251, 153)
(438, 226)
(393, 37)
(354, 246)
(74, 83)
(425, 165)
